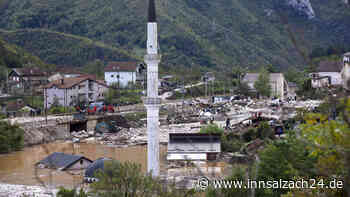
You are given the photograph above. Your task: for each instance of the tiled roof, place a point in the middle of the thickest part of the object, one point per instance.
(68, 70)
(70, 82)
(30, 71)
(329, 66)
(121, 66)
(61, 161)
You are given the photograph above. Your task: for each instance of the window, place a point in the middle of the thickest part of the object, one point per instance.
(81, 162)
(112, 76)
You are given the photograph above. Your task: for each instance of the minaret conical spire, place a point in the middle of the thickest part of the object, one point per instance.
(151, 11)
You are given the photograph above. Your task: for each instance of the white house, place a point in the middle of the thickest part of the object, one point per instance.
(345, 72)
(123, 73)
(327, 73)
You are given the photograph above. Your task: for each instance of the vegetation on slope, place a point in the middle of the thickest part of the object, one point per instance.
(192, 32)
(63, 49)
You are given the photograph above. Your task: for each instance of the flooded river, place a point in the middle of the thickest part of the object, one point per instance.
(18, 167)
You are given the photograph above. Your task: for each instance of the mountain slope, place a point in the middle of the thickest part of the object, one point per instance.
(12, 56)
(200, 32)
(63, 49)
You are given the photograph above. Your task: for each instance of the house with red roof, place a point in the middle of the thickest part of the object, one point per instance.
(74, 90)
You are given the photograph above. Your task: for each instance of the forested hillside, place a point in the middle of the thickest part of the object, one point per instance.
(192, 32)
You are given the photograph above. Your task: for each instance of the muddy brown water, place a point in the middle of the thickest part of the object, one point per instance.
(18, 167)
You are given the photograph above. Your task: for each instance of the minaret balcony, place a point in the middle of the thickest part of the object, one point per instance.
(152, 101)
(152, 58)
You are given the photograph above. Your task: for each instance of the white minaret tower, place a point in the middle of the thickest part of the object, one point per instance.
(152, 102)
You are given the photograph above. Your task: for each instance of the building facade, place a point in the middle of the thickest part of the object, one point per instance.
(195, 146)
(278, 84)
(345, 72)
(328, 73)
(26, 79)
(71, 91)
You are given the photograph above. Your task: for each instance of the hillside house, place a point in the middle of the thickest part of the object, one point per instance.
(194, 146)
(345, 72)
(124, 73)
(62, 161)
(327, 73)
(278, 84)
(209, 76)
(26, 79)
(71, 91)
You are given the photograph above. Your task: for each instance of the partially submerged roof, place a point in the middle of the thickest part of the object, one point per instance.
(72, 81)
(121, 67)
(96, 166)
(61, 161)
(329, 66)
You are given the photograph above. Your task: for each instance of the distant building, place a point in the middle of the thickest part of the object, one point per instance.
(124, 73)
(62, 161)
(24, 79)
(327, 73)
(71, 91)
(194, 146)
(345, 72)
(292, 89)
(278, 84)
(61, 73)
(209, 76)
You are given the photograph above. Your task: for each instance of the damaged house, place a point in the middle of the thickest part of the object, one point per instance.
(194, 146)
(327, 73)
(278, 84)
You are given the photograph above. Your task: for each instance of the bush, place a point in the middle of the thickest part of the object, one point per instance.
(227, 144)
(250, 135)
(71, 193)
(265, 131)
(61, 110)
(127, 179)
(11, 137)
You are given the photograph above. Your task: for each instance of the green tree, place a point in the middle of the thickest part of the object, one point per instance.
(95, 68)
(126, 179)
(71, 193)
(262, 85)
(238, 73)
(11, 137)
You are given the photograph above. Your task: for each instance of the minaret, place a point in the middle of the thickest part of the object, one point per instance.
(152, 102)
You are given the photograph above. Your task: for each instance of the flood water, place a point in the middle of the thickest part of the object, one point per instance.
(18, 167)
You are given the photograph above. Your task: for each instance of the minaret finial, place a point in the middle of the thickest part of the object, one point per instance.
(151, 11)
